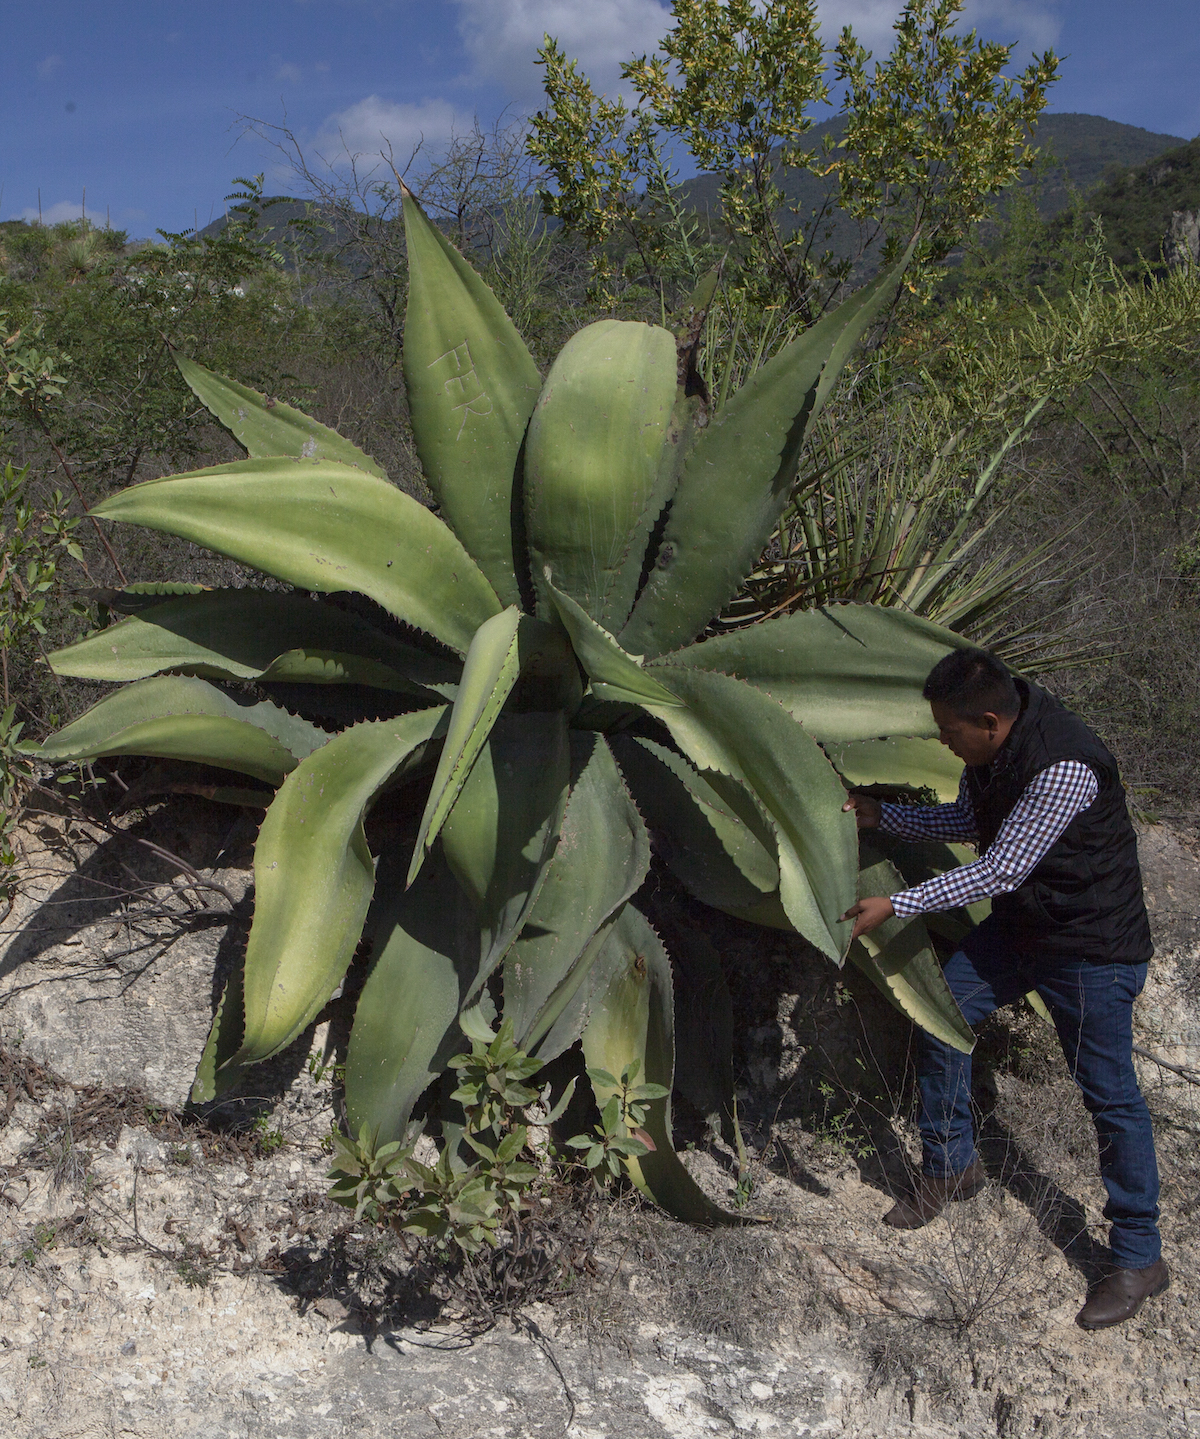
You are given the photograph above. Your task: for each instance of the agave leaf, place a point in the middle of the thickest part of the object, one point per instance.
(917, 763)
(333, 667)
(224, 1038)
(501, 832)
(738, 477)
(706, 843)
(314, 875)
(176, 718)
(592, 459)
(254, 634)
(899, 960)
(603, 854)
(724, 725)
(597, 968)
(322, 526)
(265, 428)
(703, 1030)
(602, 715)
(687, 418)
(846, 672)
(923, 860)
(730, 727)
(426, 956)
(144, 593)
(503, 647)
(615, 675)
(767, 911)
(245, 797)
(472, 386)
(633, 1021)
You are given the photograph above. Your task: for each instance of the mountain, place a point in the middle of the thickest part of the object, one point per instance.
(1080, 149)
(1077, 151)
(1152, 210)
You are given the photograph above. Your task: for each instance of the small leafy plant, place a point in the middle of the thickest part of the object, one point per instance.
(619, 1136)
(370, 1181)
(456, 1201)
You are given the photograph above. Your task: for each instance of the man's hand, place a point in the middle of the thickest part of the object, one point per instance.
(869, 914)
(866, 810)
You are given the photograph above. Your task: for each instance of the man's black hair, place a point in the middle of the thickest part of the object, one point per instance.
(972, 683)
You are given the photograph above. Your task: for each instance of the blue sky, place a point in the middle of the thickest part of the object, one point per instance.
(137, 101)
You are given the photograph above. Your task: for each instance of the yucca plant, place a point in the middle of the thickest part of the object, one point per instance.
(548, 684)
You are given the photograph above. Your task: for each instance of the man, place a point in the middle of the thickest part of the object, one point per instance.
(1058, 858)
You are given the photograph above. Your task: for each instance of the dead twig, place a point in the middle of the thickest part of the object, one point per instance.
(197, 881)
(1191, 1075)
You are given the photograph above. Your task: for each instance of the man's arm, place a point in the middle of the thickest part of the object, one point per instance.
(914, 822)
(917, 821)
(931, 821)
(1049, 803)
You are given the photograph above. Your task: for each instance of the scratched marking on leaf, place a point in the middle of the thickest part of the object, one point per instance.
(463, 386)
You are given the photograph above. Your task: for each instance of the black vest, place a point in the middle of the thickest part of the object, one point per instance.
(1083, 899)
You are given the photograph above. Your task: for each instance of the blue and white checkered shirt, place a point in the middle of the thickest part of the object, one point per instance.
(1047, 806)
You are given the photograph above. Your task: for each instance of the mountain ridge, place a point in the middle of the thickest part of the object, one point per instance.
(1088, 155)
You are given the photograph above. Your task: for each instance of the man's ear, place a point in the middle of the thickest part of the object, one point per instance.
(997, 726)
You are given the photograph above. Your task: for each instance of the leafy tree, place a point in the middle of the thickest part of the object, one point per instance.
(931, 133)
(935, 131)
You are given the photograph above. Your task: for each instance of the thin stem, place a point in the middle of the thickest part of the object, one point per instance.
(66, 469)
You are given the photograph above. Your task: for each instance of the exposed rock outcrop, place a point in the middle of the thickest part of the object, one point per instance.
(166, 1281)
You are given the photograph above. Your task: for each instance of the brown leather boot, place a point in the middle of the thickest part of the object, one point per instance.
(931, 1193)
(1119, 1296)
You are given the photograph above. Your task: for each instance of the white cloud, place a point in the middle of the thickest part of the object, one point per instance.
(58, 212)
(1027, 24)
(1031, 24)
(373, 125)
(502, 38)
(49, 65)
(287, 72)
(871, 21)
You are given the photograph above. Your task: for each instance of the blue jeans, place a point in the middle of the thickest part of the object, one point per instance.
(1092, 1008)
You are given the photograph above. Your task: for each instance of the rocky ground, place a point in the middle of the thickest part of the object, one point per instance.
(168, 1274)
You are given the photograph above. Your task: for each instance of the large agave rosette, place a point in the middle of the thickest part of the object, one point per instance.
(545, 681)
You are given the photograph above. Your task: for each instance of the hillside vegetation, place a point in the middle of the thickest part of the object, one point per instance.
(1136, 205)
(1031, 425)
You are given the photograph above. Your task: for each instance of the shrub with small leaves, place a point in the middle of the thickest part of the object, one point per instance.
(491, 1076)
(458, 1204)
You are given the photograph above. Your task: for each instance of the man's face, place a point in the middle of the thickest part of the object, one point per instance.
(974, 740)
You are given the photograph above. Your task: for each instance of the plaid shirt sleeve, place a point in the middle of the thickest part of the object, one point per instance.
(1050, 802)
(931, 821)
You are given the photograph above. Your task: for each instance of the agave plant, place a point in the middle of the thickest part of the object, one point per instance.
(545, 681)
